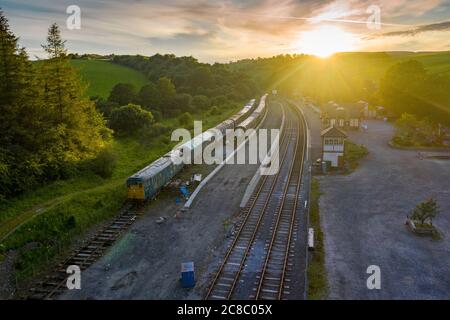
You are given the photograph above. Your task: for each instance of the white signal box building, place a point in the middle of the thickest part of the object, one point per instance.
(333, 146)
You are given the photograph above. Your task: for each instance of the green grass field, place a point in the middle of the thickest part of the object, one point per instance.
(434, 62)
(101, 76)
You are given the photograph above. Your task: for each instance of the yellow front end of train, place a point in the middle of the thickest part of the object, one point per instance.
(136, 191)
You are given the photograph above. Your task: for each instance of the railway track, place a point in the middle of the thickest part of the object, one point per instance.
(55, 283)
(275, 272)
(261, 210)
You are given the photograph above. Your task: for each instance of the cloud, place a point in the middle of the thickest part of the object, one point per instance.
(441, 26)
(211, 30)
(181, 40)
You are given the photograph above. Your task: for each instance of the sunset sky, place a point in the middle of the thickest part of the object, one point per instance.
(229, 30)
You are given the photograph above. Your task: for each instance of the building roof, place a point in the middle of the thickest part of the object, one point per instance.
(345, 111)
(333, 132)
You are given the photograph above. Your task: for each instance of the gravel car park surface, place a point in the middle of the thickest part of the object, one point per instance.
(363, 217)
(145, 262)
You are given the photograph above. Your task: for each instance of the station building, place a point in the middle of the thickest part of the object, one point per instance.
(333, 146)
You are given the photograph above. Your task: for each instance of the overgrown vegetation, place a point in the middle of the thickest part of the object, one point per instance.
(353, 154)
(317, 274)
(412, 132)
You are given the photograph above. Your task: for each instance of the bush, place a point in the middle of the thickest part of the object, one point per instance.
(186, 120)
(148, 134)
(219, 100)
(426, 210)
(354, 153)
(122, 93)
(149, 97)
(178, 104)
(201, 102)
(104, 164)
(159, 129)
(130, 119)
(105, 107)
(157, 115)
(214, 111)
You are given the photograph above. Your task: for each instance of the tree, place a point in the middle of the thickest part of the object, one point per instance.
(182, 102)
(20, 116)
(122, 94)
(166, 89)
(149, 97)
(214, 111)
(104, 106)
(168, 95)
(11, 59)
(200, 102)
(426, 210)
(75, 129)
(47, 124)
(129, 119)
(219, 100)
(407, 87)
(186, 119)
(412, 131)
(201, 77)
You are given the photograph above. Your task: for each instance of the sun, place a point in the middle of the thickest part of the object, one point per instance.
(325, 41)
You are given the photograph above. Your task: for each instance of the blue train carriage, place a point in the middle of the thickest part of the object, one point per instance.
(147, 182)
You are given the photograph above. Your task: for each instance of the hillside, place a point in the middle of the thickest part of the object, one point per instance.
(435, 62)
(101, 76)
(345, 77)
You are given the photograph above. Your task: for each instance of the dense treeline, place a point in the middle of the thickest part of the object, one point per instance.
(178, 87)
(408, 88)
(46, 123)
(194, 78)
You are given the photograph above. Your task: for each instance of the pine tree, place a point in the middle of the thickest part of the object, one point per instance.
(8, 62)
(9, 84)
(78, 128)
(19, 115)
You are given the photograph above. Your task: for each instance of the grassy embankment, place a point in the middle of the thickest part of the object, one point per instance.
(41, 224)
(317, 274)
(102, 76)
(353, 154)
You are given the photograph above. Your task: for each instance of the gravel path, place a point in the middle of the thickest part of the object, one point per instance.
(363, 217)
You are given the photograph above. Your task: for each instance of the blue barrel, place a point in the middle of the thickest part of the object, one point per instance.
(187, 275)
